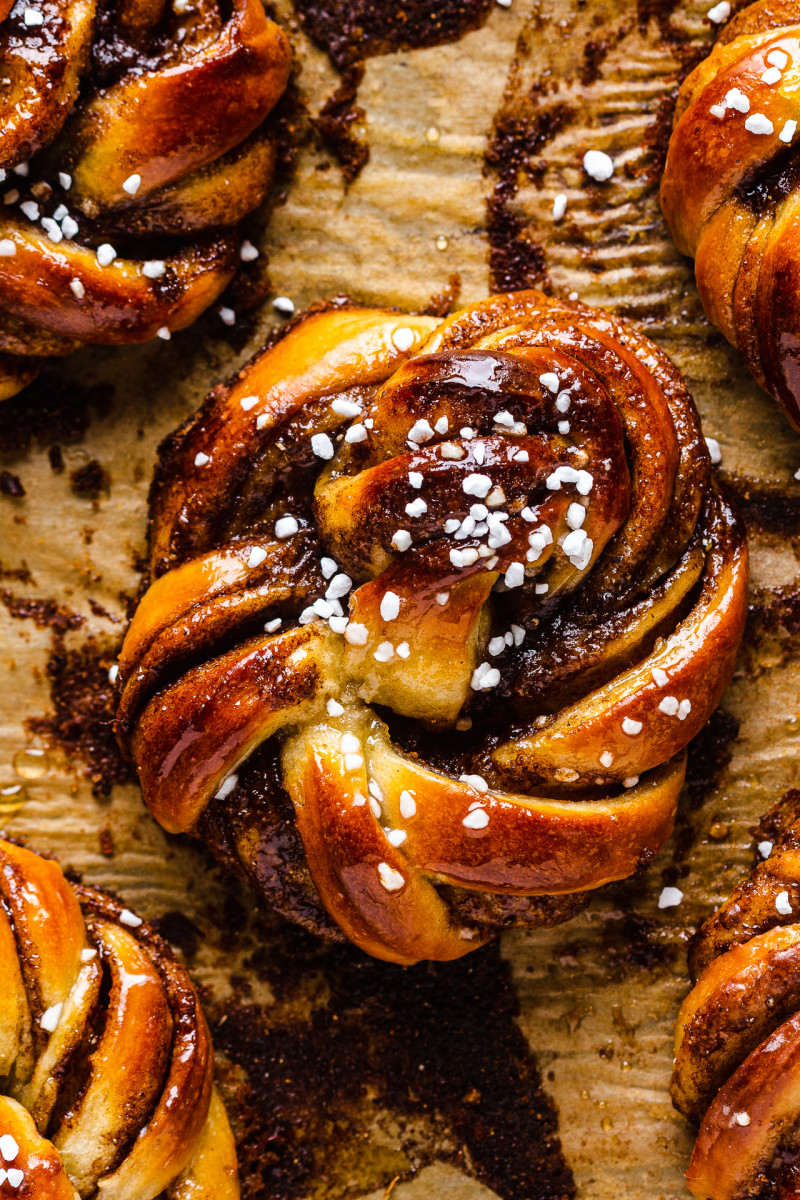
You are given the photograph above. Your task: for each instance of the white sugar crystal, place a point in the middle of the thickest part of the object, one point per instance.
(783, 904)
(390, 879)
(9, 1148)
(257, 556)
(106, 254)
(286, 527)
(515, 575)
(420, 431)
(485, 677)
(476, 484)
(408, 805)
(403, 339)
(720, 12)
(477, 819)
(737, 100)
(669, 705)
(339, 586)
(334, 708)
(788, 131)
(759, 124)
(559, 206)
(355, 634)
(345, 408)
(321, 445)
(474, 781)
(576, 515)
(390, 606)
(714, 452)
(226, 787)
(132, 184)
(416, 507)
(670, 897)
(631, 727)
(598, 165)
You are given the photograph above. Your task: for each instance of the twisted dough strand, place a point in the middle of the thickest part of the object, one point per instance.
(106, 1064)
(737, 1039)
(729, 190)
(140, 124)
(523, 510)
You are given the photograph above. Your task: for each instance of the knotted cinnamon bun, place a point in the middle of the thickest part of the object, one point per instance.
(737, 1040)
(132, 139)
(106, 1066)
(730, 191)
(436, 607)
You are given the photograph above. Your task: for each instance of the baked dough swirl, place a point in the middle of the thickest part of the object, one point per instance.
(546, 595)
(730, 191)
(737, 1040)
(106, 1065)
(132, 140)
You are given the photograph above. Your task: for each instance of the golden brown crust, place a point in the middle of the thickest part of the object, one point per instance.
(105, 1059)
(545, 469)
(729, 191)
(737, 1040)
(138, 124)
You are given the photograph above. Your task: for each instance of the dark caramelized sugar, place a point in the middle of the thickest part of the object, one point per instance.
(437, 1044)
(352, 30)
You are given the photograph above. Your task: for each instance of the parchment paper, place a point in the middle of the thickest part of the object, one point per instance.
(597, 1001)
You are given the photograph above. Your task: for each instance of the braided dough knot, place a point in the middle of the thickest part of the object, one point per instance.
(145, 130)
(737, 1039)
(546, 593)
(106, 1064)
(730, 195)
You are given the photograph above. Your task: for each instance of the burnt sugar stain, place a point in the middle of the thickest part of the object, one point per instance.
(335, 124)
(516, 259)
(392, 1070)
(83, 700)
(83, 703)
(51, 411)
(351, 31)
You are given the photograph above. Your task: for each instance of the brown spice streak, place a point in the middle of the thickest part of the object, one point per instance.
(437, 1044)
(83, 703)
(351, 30)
